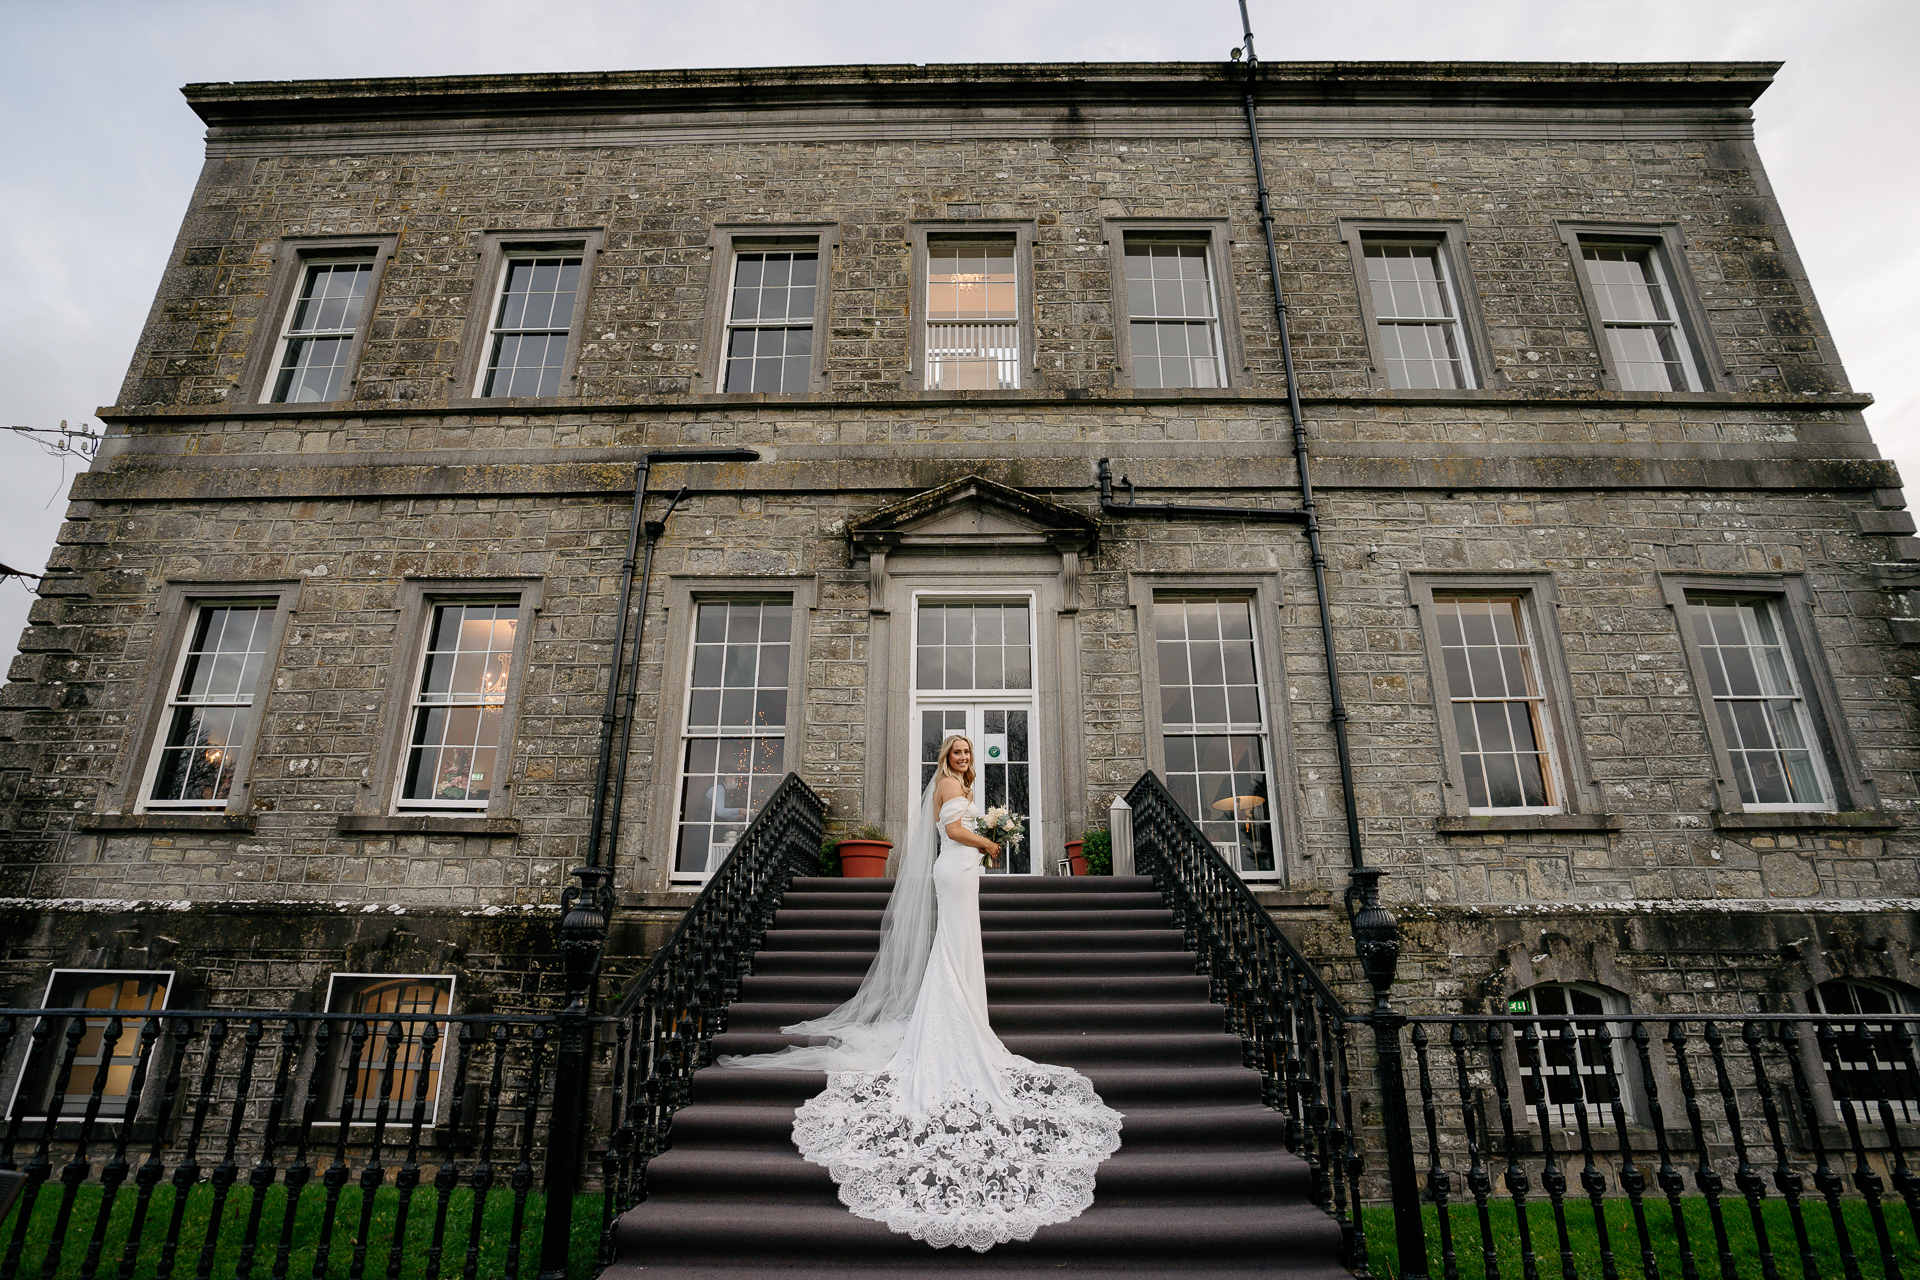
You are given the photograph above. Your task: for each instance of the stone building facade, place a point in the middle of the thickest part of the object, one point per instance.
(315, 682)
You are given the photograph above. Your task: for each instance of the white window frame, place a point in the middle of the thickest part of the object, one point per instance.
(1204, 240)
(275, 606)
(1848, 786)
(682, 731)
(1217, 235)
(925, 237)
(1795, 696)
(1449, 240)
(1700, 362)
(430, 605)
(497, 250)
(1263, 596)
(57, 1047)
(1539, 603)
(399, 1114)
(1539, 704)
(970, 700)
(495, 333)
(292, 260)
(288, 336)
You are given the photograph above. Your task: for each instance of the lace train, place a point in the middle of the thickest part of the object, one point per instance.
(964, 1173)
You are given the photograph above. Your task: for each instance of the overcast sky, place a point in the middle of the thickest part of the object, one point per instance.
(105, 152)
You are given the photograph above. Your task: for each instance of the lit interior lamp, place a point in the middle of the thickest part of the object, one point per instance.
(1242, 808)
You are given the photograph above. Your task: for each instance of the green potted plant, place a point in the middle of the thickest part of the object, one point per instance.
(1096, 849)
(864, 853)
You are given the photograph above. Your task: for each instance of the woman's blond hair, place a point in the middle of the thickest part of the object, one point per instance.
(945, 770)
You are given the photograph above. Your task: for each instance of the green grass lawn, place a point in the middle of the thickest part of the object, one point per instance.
(1465, 1219)
(496, 1226)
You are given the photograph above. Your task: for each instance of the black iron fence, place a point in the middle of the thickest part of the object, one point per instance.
(1539, 1138)
(163, 1143)
(241, 1144)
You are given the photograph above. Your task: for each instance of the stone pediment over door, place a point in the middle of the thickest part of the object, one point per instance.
(974, 516)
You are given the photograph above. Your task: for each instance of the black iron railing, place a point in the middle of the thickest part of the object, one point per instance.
(1292, 1027)
(665, 1027)
(157, 1136)
(1676, 1131)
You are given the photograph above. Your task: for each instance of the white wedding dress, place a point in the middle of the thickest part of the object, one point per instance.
(954, 1140)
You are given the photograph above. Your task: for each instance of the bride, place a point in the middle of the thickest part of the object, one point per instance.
(928, 1123)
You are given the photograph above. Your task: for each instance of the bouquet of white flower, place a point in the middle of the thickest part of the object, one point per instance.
(1002, 826)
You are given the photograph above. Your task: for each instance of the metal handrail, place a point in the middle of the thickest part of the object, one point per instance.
(665, 1026)
(1292, 1027)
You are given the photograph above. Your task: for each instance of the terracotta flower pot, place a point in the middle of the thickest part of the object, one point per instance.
(864, 858)
(1075, 859)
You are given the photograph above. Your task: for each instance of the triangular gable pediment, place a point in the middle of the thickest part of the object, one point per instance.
(978, 511)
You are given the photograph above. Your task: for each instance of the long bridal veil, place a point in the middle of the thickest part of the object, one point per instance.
(862, 1034)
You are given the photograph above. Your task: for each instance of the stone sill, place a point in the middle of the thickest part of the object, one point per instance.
(429, 824)
(667, 900)
(1483, 824)
(239, 823)
(468, 408)
(1285, 898)
(1863, 820)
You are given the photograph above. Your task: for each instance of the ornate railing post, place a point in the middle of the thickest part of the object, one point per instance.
(1376, 937)
(583, 939)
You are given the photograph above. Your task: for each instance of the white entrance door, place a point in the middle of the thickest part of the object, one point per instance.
(973, 674)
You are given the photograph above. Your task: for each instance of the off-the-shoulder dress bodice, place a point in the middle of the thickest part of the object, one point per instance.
(952, 811)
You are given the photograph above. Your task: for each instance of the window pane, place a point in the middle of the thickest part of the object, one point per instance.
(211, 714)
(1497, 703)
(452, 757)
(734, 747)
(1208, 682)
(1757, 702)
(966, 645)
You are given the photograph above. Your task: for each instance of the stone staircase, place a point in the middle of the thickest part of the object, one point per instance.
(1087, 972)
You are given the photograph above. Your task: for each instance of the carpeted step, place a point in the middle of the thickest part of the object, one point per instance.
(1084, 972)
(1013, 1019)
(1287, 1237)
(1171, 960)
(1136, 1174)
(1009, 988)
(1123, 1087)
(1077, 1051)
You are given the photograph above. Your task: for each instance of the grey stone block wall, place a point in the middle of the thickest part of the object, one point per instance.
(1543, 471)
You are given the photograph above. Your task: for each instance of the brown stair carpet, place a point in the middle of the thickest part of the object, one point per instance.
(1087, 972)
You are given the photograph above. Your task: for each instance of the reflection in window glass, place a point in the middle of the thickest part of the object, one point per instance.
(1417, 315)
(1637, 311)
(1757, 701)
(735, 744)
(530, 327)
(320, 332)
(969, 645)
(461, 704)
(1174, 330)
(1213, 725)
(973, 314)
(211, 713)
(1498, 709)
(770, 320)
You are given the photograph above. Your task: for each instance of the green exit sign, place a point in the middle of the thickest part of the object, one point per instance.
(1517, 1004)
